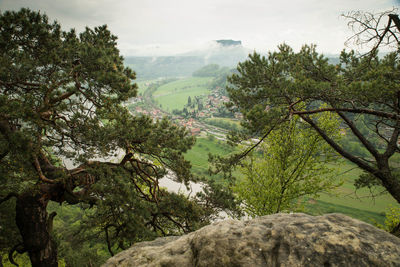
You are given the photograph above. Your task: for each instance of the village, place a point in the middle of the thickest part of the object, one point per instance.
(194, 115)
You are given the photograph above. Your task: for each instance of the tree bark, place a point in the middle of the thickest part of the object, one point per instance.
(33, 223)
(389, 181)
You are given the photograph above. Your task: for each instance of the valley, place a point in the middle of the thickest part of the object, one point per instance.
(169, 97)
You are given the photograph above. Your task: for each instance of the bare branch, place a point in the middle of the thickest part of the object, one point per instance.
(370, 29)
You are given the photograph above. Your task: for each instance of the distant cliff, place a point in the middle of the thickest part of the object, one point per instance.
(225, 53)
(229, 42)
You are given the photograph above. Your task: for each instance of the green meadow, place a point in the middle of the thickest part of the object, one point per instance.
(174, 95)
(345, 199)
(144, 85)
(363, 204)
(198, 155)
(223, 120)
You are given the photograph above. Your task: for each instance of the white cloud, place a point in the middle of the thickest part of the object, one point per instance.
(165, 26)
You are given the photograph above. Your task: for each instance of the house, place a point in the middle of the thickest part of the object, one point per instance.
(195, 131)
(225, 99)
(238, 115)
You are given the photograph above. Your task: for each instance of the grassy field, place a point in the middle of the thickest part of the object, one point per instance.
(198, 155)
(224, 123)
(361, 198)
(356, 203)
(226, 120)
(345, 199)
(174, 95)
(143, 85)
(321, 207)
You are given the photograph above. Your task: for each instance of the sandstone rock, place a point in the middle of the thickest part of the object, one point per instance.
(275, 240)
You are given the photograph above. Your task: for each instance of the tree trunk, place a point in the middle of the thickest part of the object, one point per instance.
(33, 223)
(388, 179)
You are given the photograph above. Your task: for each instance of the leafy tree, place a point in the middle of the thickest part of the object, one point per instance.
(220, 81)
(268, 90)
(363, 91)
(293, 164)
(61, 97)
(392, 221)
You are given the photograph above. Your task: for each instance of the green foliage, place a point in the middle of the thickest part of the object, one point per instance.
(292, 165)
(8, 230)
(392, 220)
(77, 247)
(198, 154)
(217, 198)
(221, 80)
(21, 260)
(61, 98)
(268, 90)
(211, 70)
(175, 95)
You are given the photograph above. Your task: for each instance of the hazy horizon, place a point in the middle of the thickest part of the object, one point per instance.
(170, 27)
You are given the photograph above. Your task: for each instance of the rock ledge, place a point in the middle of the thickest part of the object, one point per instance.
(274, 240)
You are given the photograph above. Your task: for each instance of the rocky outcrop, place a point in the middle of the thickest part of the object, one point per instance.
(275, 240)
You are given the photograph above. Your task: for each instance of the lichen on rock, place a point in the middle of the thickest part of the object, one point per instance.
(274, 240)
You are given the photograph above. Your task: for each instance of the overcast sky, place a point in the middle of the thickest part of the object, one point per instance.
(159, 27)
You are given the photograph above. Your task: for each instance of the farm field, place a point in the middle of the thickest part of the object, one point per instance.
(198, 155)
(228, 120)
(174, 95)
(357, 204)
(347, 200)
(144, 84)
(224, 123)
(361, 198)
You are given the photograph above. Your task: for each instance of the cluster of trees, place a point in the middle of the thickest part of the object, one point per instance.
(191, 108)
(362, 92)
(218, 84)
(291, 163)
(61, 96)
(211, 70)
(366, 86)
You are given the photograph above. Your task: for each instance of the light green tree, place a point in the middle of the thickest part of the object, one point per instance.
(292, 164)
(366, 85)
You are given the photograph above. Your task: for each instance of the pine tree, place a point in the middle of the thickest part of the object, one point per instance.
(61, 96)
